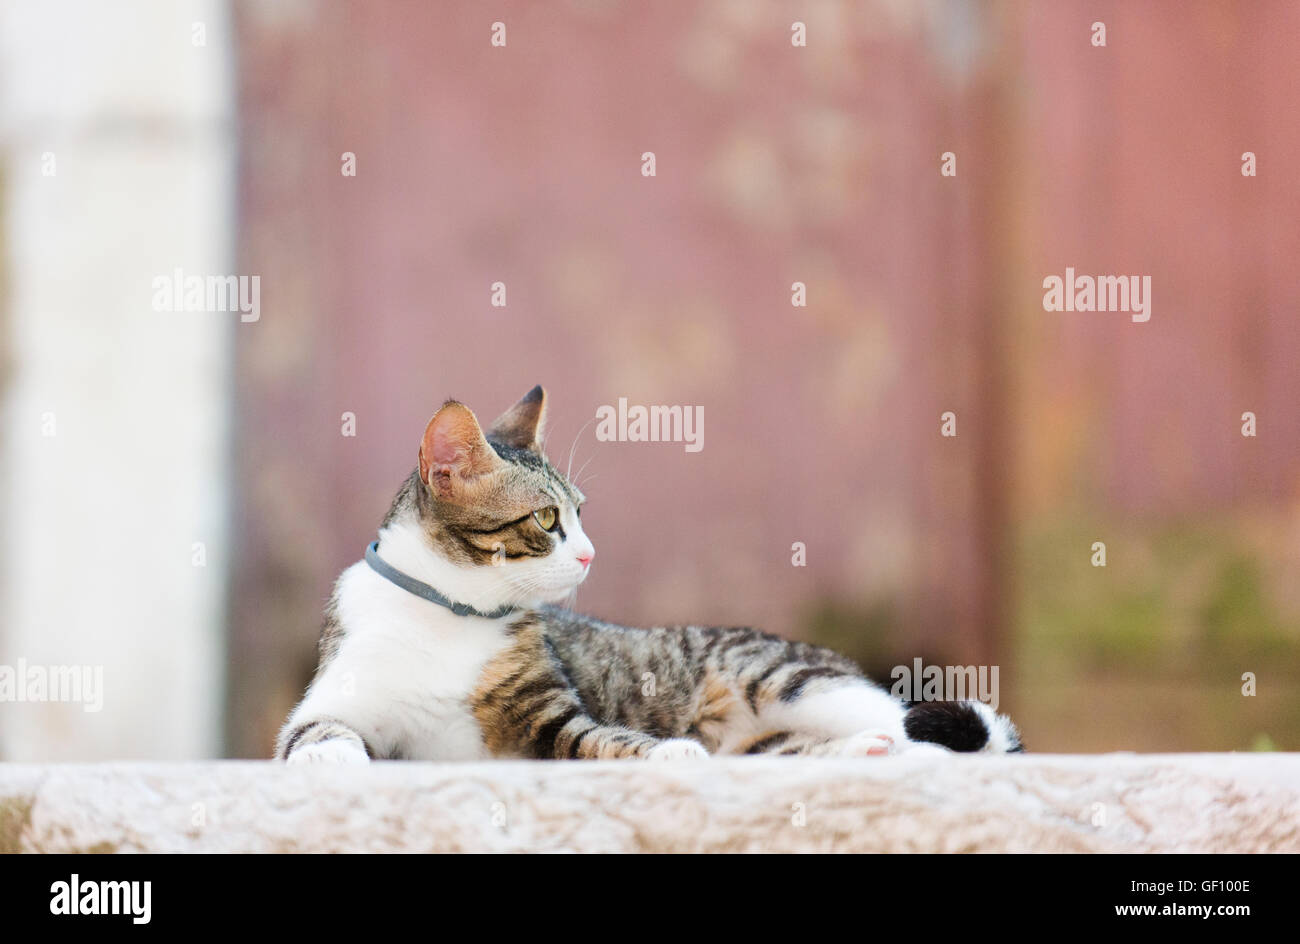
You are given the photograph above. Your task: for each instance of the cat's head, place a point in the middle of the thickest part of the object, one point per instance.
(486, 518)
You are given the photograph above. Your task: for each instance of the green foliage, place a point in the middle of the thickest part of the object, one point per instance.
(1184, 602)
(1148, 652)
(1263, 742)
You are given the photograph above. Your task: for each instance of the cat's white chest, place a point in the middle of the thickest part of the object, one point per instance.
(412, 665)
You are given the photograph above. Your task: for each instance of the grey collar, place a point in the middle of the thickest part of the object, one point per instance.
(423, 590)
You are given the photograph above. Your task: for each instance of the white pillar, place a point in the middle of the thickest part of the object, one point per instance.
(118, 146)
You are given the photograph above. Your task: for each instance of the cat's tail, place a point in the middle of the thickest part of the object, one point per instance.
(962, 726)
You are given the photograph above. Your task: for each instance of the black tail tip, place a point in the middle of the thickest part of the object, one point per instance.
(960, 726)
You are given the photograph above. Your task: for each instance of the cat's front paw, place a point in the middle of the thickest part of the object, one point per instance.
(333, 751)
(677, 749)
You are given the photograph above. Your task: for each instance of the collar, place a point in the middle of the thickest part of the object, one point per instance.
(423, 590)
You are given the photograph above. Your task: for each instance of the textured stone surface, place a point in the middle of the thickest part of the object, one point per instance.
(1100, 803)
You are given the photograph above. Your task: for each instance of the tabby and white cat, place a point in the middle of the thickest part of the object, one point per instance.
(443, 645)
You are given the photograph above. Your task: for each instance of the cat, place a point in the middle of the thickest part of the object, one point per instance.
(445, 642)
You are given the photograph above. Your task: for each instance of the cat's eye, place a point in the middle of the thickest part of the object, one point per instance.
(547, 518)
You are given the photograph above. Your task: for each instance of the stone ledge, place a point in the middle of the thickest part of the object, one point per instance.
(1027, 803)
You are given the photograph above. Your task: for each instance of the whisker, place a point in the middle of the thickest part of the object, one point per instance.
(574, 447)
(584, 466)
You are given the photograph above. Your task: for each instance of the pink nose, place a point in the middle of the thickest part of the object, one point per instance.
(585, 559)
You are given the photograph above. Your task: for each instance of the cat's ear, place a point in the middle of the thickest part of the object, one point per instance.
(521, 425)
(453, 450)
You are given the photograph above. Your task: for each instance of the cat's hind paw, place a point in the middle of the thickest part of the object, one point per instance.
(677, 749)
(333, 751)
(867, 744)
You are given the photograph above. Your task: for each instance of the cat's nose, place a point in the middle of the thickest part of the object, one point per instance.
(585, 558)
